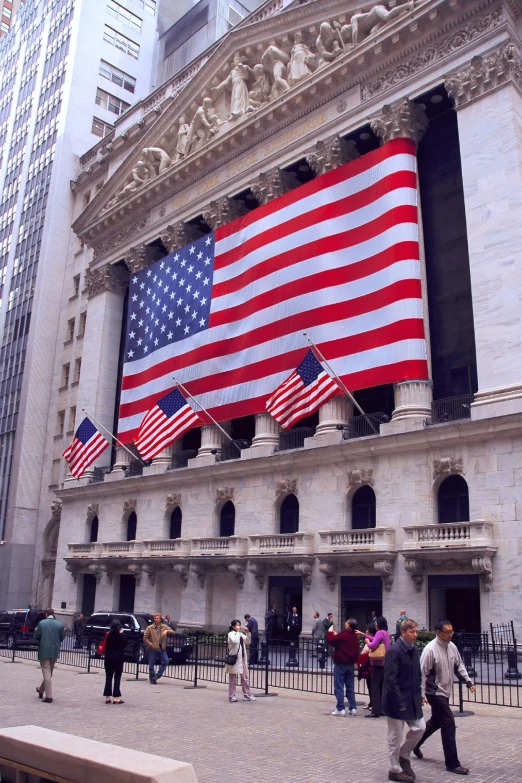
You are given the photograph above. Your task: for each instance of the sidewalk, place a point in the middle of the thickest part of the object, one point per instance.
(289, 739)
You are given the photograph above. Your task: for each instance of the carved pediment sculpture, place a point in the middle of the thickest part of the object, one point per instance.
(129, 505)
(56, 508)
(286, 487)
(446, 465)
(173, 500)
(224, 493)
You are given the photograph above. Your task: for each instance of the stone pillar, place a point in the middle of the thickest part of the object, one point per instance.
(405, 119)
(160, 462)
(336, 411)
(487, 99)
(266, 438)
(211, 439)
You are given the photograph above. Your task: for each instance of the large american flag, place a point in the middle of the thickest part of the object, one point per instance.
(337, 257)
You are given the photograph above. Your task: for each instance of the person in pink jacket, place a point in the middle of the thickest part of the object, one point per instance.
(378, 647)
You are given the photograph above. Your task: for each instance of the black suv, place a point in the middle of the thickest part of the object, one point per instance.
(134, 625)
(17, 626)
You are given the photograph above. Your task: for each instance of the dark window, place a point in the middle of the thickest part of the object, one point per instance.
(132, 524)
(453, 500)
(99, 620)
(289, 515)
(127, 593)
(88, 594)
(227, 519)
(363, 509)
(175, 523)
(94, 530)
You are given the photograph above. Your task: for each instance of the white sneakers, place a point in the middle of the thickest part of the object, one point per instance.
(339, 712)
(354, 711)
(249, 698)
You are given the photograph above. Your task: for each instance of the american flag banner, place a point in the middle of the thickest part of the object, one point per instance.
(87, 444)
(337, 257)
(167, 420)
(307, 388)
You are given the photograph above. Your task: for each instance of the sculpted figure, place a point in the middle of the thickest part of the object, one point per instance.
(261, 89)
(204, 125)
(140, 175)
(329, 44)
(181, 145)
(274, 61)
(371, 21)
(302, 60)
(235, 83)
(157, 160)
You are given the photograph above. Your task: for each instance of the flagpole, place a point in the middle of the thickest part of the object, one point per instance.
(113, 436)
(225, 433)
(339, 381)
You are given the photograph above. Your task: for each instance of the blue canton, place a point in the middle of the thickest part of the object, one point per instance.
(309, 369)
(85, 431)
(172, 403)
(170, 300)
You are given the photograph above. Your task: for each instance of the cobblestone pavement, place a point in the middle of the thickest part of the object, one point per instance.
(289, 739)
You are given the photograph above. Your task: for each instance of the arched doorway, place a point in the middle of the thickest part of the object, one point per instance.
(453, 500)
(175, 523)
(227, 519)
(132, 524)
(289, 515)
(93, 530)
(363, 508)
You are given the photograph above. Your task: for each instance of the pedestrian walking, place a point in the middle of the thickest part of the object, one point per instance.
(378, 646)
(402, 616)
(115, 644)
(317, 632)
(440, 659)
(270, 623)
(155, 639)
(50, 634)
(236, 662)
(327, 622)
(402, 702)
(78, 632)
(346, 652)
(252, 626)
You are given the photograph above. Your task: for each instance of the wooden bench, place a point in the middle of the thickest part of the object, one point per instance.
(28, 753)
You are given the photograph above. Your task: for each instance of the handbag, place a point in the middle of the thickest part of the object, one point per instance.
(379, 652)
(101, 647)
(231, 659)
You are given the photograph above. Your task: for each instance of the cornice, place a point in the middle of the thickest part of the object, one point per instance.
(440, 436)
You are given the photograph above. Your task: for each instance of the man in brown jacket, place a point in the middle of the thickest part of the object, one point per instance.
(155, 637)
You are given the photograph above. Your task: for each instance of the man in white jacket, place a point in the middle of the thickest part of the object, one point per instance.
(440, 660)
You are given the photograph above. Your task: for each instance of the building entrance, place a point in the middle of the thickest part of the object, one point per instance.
(455, 597)
(88, 594)
(127, 593)
(285, 592)
(359, 596)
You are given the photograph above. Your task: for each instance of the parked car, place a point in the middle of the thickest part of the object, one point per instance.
(134, 625)
(17, 627)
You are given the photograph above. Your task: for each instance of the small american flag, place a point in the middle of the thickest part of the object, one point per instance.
(165, 423)
(307, 388)
(87, 445)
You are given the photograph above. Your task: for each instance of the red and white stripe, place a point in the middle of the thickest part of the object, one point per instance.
(293, 400)
(80, 455)
(337, 257)
(158, 431)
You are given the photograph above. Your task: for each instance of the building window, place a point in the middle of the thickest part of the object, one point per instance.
(86, 199)
(76, 285)
(101, 128)
(363, 509)
(4, 27)
(289, 515)
(116, 76)
(6, 12)
(81, 326)
(77, 369)
(60, 422)
(99, 186)
(175, 523)
(453, 500)
(72, 418)
(66, 371)
(116, 39)
(132, 524)
(110, 102)
(148, 5)
(227, 519)
(122, 15)
(93, 532)
(70, 328)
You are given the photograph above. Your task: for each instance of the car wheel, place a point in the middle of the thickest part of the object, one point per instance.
(93, 650)
(10, 642)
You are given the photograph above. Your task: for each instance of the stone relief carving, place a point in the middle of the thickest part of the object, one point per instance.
(403, 119)
(199, 571)
(92, 509)
(259, 573)
(224, 493)
(415, 569)
(330, 572)
(157, 160)
(176, 237)
(204, 125)
(223, 211)
(260, 90)
(93, 569)
(183, 570)
(369, 22)
(173, 500)
(238, 569)
(357, 478)
(135, 570)
(286, 487)
(484, 567)
(330, 153)
(273, 184)
(385, 570)
(181, 141)
(236, 84)
(136, 259)
(274, 61)
(129, 505)
(56, 508)
(74, 570)
(447, 465)
(121, 237)
(104, 278)
(304, 569)
(302, 60)
(330, 42)
(484, 74)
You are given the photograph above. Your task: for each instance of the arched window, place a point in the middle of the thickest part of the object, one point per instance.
(175, 523)
(363, 508)
(93, 534)
(289, 515)
(453, 500)
(132, 524)
(227, 519)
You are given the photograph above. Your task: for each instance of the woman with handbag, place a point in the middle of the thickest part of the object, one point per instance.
(378, 646)
(236, 662)
(114, 656)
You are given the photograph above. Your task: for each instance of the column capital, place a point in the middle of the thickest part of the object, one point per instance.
(330, 153)
(272, 184)
(403, 119)
(105, 278)
(136, 259)
(179, 235)
(222, 211)
(484, 74)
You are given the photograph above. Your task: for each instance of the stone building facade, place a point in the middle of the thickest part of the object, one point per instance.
(416, 505)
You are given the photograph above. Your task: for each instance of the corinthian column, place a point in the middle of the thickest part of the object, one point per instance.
(336, 411)
(407, 120)
(267, 435)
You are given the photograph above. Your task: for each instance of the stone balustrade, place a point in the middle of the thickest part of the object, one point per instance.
(229, 546)
(84, 550)
(455, 535)
(377, 539)
(279, 544)
(167, 547)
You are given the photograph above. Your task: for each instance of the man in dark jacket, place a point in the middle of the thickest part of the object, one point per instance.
(294, 624)
(78, 631)
(402, 702)
(252, 625)
(346, 652)
(270, 623)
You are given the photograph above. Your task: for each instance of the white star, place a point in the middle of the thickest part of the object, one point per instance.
(180, 301)
(187, 308)
(139, 341)
(186, 329)
(163, 327)
(176, 257)
(133, 316)
(183, 263)
(162, 264)
(189, 287)
(198, 274)
(156, 322)
(156, 341)
(202, 322)
(175, 276)
(149, 273)
(182, 281)
(164, 309)
(206, 281)
(170, 336)
(142, 303)
(178, 321)
(134, 279)
(208, 240)
(140, 322)
(204, 300)
(194, 315)
(207, 261)
(171, 315)
(135, 297)
(147, 310)
(132, 335)
(152, 315)
(146, 348)
(148, 291)
(146, 329)
(154, 278)
(192, 249)
(167, 270)
(142, 286)
(172, 295)
(196, 294)
(130, 354)
(154, 297)
(190, 268)
(160, 283)
(166, 288)
(200, 255)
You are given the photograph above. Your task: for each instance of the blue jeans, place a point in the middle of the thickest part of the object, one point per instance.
(154, 655)
(343, 679)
